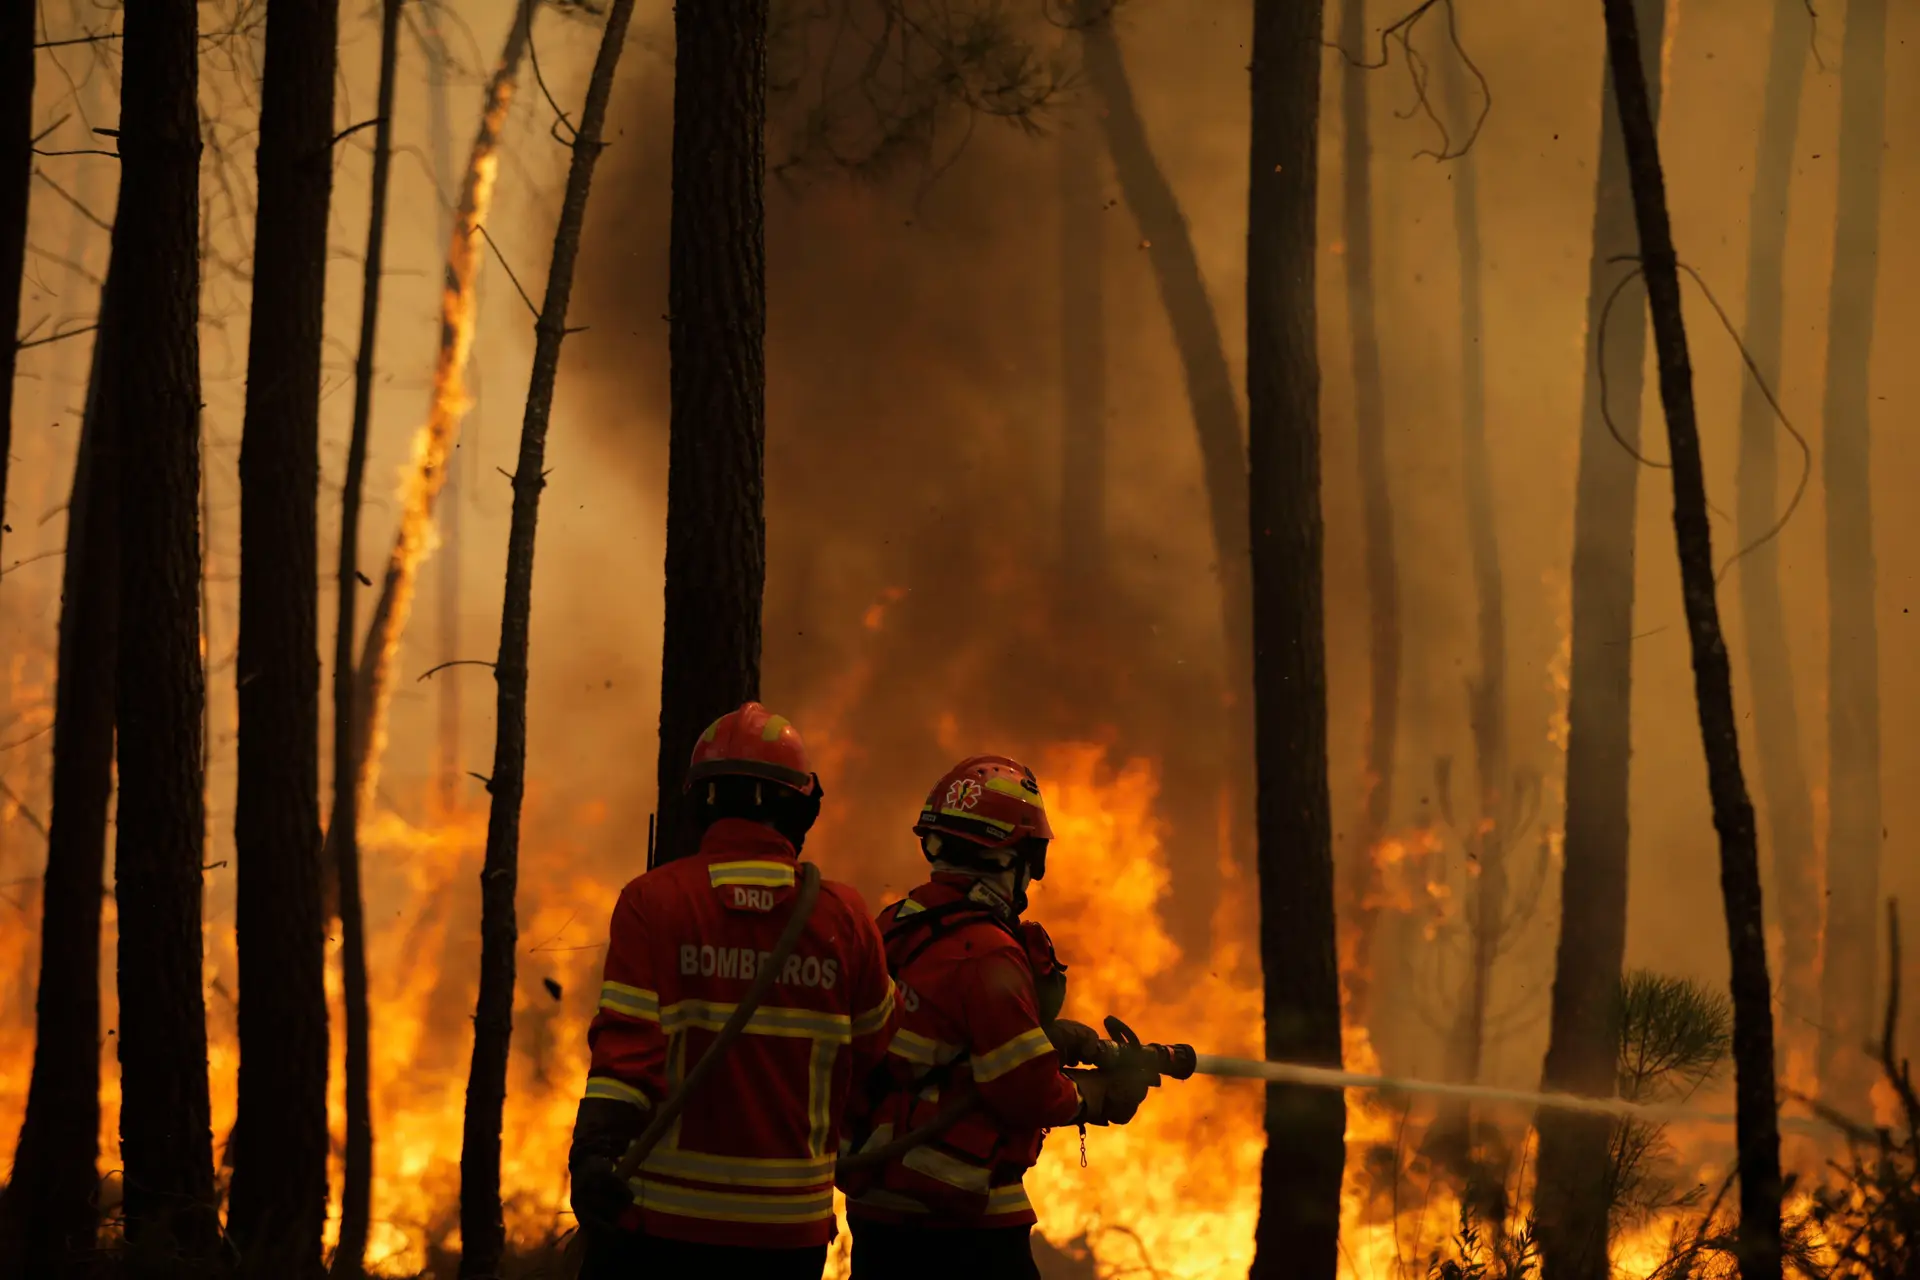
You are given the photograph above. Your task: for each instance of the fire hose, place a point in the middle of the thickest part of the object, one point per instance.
(1126, 1052)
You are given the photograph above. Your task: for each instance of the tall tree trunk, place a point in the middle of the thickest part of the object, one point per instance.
(1583, 1045)
(165, 1129)
(16, 182)
(1847, 979)
(47, 1211)
(433, 443)
(1297, 1234)
(1216, 420)
(343, 828)
(1488, 843)
(1757, 1124)
(482, 1231)
(1383, 573)
(447, 684)
(1776, 716)
(1083, 360)
(717, 300)
(280, 1142)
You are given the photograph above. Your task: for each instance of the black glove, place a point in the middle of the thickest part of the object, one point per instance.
(1073, 1041)
(600, 1195)
(1109, 1097)
(602, 1132)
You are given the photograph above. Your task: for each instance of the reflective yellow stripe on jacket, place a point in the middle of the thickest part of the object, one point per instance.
(1017, 1052)
(721, 1206)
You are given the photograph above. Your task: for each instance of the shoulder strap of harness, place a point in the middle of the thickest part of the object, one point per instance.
(939, 922)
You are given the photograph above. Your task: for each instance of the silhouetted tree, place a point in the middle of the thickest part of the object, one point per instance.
(1757, 1120)
(1571, 1203)
(165, 1129)
(1297, 1233)
(48, 1211)
(717, 309)
(343, 828)
(1382, 566)
(482, 1230)
(1776, 715)
(16, 182)
(280, 1144)
(1853, 655)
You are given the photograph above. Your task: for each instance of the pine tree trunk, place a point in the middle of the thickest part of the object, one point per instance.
(1382, 566)
(16, 183)
(1488, 843)
(342, 851)
(280, 1144)
(165, 1127)
(434, 444)
(1847, 980)
(1776, 716)
(1757, 1126)
(482, 1231)
(1583, 1046)
(1223, 453)
(47, 1211)
(716, 296)
(1297, 1234)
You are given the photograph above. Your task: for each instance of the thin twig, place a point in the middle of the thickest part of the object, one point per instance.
(352, 129)
(55, 337)
(72, 199)
(533, 55)
(33, 819)
(78, 151)
(457, 662)
(501, 258)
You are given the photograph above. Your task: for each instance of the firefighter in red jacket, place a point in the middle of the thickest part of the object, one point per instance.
(743, 1182)
(981, 1055)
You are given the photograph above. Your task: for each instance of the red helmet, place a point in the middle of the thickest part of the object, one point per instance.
(991, 801)
(752, 742)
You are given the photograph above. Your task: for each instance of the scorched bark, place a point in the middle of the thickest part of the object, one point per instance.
(482, 1231)
(1297, 1233)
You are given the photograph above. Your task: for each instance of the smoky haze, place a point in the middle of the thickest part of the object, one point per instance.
(918, 606)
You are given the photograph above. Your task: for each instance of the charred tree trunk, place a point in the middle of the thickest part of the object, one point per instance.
(47, 1210)
(1583, 1045)
(717, 298)
(16, 182)
(1383, 573)
(280, 1143)
(1757, 1126)
(343, 828)
(165, 1129)
(1297, 1234)
(1853, 669)
(1776, 715)
(433, 446)
(482, 1231)
(1490, 839)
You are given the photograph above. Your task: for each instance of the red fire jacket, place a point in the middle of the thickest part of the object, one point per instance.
(750, 1160)
(970, 1024)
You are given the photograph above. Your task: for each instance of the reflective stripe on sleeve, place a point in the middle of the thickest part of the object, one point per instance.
(941, 1167)
(921, 1050)
(1009, 1199)
(820, 1095)
(634, 1002)
(1017, 1052)
(766, 875)
(721, 1206)
(617, 1091)
(739, 1171)
(872, 1020)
